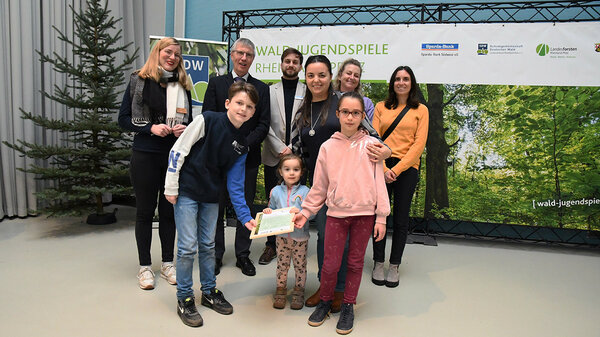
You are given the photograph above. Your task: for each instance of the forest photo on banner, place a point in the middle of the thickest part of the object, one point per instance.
(514, 112)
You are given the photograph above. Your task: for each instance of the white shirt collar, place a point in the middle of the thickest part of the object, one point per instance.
(245, 77)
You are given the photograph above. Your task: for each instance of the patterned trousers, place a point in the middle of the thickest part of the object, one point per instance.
(289, 249)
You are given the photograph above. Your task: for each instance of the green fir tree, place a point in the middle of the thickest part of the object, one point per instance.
(94, 159)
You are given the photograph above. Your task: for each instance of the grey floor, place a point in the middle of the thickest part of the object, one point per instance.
(61, 277)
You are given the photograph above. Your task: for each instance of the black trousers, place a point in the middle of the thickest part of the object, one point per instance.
(242, 234)
(401, 191)
(271, 180)
(147, 171)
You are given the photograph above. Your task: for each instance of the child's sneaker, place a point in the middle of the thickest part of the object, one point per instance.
(346, 321)
(297, 298)
(279, 298)
(187, 311)
(216, 301)
(320, 314)
(167, 271)
(146, 278)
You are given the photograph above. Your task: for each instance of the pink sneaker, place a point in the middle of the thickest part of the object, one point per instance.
(167, 271)
(146, 278)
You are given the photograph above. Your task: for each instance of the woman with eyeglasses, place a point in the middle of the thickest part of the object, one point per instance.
(316, 122)
(156, 107)
(403, 124)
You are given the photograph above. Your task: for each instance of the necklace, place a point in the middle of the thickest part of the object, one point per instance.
(312, 126)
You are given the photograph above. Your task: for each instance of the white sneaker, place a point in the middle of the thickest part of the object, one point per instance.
(146, 278)
(167, 271)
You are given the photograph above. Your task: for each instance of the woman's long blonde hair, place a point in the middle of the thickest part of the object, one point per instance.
(337, 83)
(151, 70)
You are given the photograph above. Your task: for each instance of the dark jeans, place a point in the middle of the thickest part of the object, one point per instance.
(147, 171)
(401, 191)
(271, 180)
(242, 234)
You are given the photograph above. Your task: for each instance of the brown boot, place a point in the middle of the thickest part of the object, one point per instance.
(338, 297)
(314, 299)
(279, 298)
(297, 298)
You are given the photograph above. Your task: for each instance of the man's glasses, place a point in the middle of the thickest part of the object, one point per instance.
(242, 53)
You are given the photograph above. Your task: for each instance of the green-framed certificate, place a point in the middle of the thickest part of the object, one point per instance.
(278, 222)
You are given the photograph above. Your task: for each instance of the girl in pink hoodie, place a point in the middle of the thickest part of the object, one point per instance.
(353, 188)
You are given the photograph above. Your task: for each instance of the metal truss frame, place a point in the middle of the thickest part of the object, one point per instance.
(506, 232)
(457, 13)
(490, 12)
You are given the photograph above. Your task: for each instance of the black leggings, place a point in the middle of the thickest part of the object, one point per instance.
(148, 172)
(401, 191)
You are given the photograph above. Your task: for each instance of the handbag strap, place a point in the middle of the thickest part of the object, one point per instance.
(396, 121)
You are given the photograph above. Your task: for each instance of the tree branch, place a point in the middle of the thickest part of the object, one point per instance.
(456, 93)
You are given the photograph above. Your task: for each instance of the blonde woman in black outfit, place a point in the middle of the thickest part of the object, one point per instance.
(157, 107)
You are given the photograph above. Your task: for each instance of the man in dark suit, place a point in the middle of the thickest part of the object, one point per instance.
(256, 129)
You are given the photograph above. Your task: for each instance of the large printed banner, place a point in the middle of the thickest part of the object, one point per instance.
(202, 60)
(528, 53)
(516, 138)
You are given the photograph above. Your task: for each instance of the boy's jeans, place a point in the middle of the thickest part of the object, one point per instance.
(195, 222)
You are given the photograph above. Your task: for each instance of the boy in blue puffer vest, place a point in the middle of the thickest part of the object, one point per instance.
(210, 150)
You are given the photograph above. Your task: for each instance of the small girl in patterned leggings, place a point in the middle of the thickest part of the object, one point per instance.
(290, 246)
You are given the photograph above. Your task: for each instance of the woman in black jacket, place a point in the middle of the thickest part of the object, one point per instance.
(157, 106)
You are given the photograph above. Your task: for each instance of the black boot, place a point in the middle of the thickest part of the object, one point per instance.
(320, 314)
(346, 321)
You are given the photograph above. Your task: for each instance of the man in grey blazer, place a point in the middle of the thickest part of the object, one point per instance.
(285, 97)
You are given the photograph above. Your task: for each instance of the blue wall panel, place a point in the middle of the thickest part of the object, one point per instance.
(169, 19)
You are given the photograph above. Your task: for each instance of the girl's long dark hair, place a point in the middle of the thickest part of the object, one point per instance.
(304, 113)
(352, 94)
(391, 102)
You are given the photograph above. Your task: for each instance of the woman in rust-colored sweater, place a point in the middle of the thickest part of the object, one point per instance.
(407, 140)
